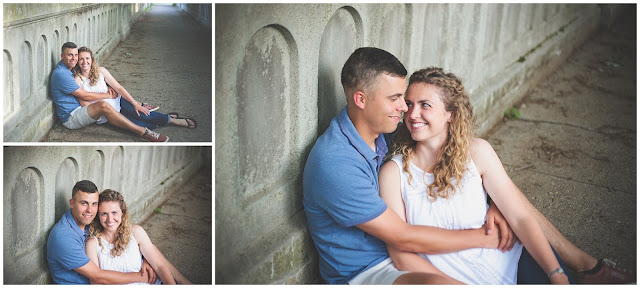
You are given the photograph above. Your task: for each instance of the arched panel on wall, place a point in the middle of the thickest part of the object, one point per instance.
(67, 37)
(56, 47)
(394, 33)
(98, 29)
(341, 36)
(26, 211)
(93, 33)
(492, 31)
(512, 12)
(25, 66)
(9, 102)
(66, 178)
(155, 168)
(264, 91)
(87, 32)
(42, 58)
(23, 225)
(116, 169)
(162, 158)
(75, 37)
(432, 54)
(95, 171)
(147, 160)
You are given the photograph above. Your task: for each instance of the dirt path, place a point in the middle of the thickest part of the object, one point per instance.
(183, 229)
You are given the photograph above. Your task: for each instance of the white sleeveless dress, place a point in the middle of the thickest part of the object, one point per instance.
(465, 209)
(129, 261)
(100, 87)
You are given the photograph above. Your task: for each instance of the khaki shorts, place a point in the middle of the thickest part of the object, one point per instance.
(79, 118)
(384, 273)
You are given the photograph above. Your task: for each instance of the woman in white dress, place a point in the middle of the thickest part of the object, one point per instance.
(117, 245)
(98, 79)
(440, 175)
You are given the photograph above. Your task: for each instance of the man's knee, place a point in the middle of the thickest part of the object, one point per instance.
(103, 106)
(423, 278)
(100, 108)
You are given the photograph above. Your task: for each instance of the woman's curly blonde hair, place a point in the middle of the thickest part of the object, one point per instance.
(94, 74)
(452, 159)
(123, 234)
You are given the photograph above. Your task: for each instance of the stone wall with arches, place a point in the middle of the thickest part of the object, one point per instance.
(278, 86)
(37, 187)
(33, 38)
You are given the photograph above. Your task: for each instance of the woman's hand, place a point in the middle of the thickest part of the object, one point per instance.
(138, 107)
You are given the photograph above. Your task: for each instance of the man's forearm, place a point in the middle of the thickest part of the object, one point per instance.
(115, 277)
(434, 240)
(92, 96)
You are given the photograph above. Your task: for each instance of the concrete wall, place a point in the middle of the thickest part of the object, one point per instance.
(37, 188)
(278, 86)
(200, 12)
(33, 37)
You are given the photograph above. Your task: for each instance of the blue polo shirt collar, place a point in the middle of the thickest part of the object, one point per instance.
(349, 130)
(68, 218)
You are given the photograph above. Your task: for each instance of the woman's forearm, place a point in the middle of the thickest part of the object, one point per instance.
(533, 239)
(165, 274)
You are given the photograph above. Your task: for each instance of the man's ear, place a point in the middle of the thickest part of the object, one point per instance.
(70, 202)
(359, 99)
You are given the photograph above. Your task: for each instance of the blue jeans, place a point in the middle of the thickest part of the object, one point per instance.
(529, 272)
(152, 121)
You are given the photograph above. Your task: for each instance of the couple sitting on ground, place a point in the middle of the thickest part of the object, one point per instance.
(84, 93)
(423, 217)
(107, 249)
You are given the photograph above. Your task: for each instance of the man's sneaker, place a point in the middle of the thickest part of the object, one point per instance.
(150, 107)
(606, 272)
(152, 136)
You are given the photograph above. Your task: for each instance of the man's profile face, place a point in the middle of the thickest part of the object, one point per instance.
(70, 57)
(84, 207)
(385, 107)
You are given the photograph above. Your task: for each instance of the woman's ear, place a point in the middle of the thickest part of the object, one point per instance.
(449, 116)
(359, 99)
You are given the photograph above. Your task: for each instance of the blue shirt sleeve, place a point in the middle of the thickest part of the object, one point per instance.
(69, 252)
(63, 81)
(350, 189)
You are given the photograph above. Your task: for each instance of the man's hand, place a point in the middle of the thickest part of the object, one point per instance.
(112, 92)
(147, 269)
(507, 237)
(491, 241)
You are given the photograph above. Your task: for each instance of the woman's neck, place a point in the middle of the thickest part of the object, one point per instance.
(108, 236)
(85, 74)
(426, 153)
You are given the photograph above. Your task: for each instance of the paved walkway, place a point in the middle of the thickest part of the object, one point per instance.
(166, 60)
(573, 152)
(183, 229)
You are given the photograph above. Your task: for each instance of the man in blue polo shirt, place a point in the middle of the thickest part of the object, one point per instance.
(68, 261)
(64, 90)
(340, 181)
